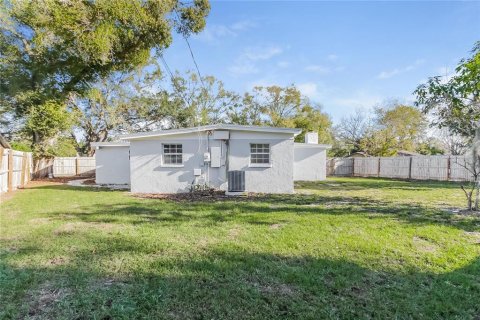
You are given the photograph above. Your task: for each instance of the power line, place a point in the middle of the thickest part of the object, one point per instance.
(172, 78)
(166, 66)
(191, 53)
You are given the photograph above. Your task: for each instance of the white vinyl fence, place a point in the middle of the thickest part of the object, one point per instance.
(15, 169)
(443, 168)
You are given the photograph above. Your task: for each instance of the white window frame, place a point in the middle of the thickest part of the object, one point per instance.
(172, 165)
(260, 165)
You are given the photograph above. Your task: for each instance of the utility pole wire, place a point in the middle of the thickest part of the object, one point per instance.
(172, 78)
(191, 54)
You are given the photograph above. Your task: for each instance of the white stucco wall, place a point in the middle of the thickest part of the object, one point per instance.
(112, 165)
(278, 178)
(310, 163)
(149, 175)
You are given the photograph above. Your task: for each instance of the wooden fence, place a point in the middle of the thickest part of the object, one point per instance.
(71, 166)
(15, 169)
(18, 168)
(443, 168)
(64, 167)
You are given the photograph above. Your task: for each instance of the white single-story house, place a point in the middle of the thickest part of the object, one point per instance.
(233, 158)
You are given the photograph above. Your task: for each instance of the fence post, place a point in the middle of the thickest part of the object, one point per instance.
(10, 170)
(410, 169)
(1, 159)
(24, 167)
(29, 167)
(76, 166)
(379, 164)
(353, 166)
(449, 169)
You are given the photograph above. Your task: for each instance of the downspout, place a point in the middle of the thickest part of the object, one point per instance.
(207, 173)
(227, 159)
(227, 153)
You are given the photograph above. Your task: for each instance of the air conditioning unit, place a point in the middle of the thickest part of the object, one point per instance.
(236, 181)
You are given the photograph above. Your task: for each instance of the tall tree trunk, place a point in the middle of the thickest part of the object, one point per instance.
(477, 196)
(101, 136)
(37, 145)
(78, 148)
(469, 195)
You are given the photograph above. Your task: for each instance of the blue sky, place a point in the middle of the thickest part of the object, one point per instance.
(343, 55)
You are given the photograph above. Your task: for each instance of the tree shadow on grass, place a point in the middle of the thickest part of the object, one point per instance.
(228, 284)
(261, 209)
(358, 183)
(117, 276)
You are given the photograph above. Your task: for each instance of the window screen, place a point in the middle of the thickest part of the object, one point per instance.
(259, 153)
(172, 154)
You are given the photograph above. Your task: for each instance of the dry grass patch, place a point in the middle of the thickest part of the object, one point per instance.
(42, 301)
(234, 232)
(424, 245)
(74, 227)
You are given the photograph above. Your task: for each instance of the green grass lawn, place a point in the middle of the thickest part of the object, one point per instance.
(344, 248)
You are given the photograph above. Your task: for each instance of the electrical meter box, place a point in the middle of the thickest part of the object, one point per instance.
(216, 157)
(206, 157)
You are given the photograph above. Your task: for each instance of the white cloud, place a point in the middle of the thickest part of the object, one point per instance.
(243, 25)
(243, 67)
(446, 73)
(215, 32)
(318, 69)
(261, 53)
(359, 99)
(397, 71)
(388, 74)
(283, 64)
(332, 57)
(308, 89)
(316, 91)
(246, 62)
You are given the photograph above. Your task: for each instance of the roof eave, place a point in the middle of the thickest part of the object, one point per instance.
(110, 144)
(311, 145)
(159, 133)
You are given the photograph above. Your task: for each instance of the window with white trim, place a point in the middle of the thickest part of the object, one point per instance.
(172, 154)
(259, 153)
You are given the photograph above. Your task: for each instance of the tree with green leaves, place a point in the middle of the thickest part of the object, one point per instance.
(50, 49)
(143, 101)
(455, 102)
(120, 103)
(273, 106)
(471, 163)
(396, 127)
(246, 111)
(350, 132)
(311, 118)
(202, 100)
(281, 107)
